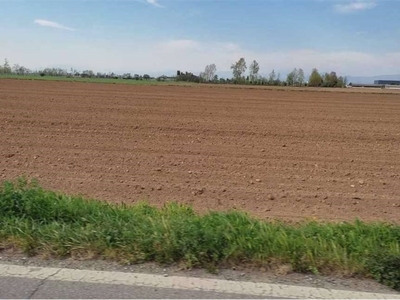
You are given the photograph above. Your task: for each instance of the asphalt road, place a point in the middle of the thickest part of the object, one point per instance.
(32, 282)
(23, 288)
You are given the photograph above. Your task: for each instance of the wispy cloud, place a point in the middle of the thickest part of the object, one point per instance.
(52, 24)
(354, 6)
(154, 3)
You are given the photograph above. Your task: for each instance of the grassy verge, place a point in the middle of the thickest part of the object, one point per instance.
(47, 223)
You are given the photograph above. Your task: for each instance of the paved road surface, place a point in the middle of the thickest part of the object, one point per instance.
(21, 282)
(22, 288)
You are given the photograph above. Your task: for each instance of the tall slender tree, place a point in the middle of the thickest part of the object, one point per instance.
(209, 72)
(239, 69)
(300, 77)
(6, 67)
(253, 70)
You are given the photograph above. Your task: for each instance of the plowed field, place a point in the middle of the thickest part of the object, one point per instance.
(274, 153)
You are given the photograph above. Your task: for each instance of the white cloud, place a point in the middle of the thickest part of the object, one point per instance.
(154, 3)
(354, 6)
(51, 24)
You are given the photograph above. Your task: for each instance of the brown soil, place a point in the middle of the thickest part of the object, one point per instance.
(275, 153)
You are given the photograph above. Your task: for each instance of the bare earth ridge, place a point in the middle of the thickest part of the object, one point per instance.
(287, 154)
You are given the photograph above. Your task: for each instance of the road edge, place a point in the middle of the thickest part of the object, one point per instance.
(184, 283)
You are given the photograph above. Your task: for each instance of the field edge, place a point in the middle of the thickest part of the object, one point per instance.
(41, 222)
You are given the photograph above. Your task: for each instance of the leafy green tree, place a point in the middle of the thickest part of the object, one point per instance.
(6, 67)
(342, 82)
(315, 78)
(253, 70)
(238, 70)
(326, 80)
(278, 80)
(86, 73)
(330, 80)
(292, 78)
(272, 78)
(334, 79)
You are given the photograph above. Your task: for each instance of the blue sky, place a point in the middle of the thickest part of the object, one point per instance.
(352, 37)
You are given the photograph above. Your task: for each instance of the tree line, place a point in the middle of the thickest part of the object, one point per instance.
(239, 76)
(16, 69)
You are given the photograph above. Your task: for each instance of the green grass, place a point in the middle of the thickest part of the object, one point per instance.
(57, 225)
(94, 80)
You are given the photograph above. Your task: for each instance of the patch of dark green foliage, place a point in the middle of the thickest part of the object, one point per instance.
(385, 268)
(44, 222)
